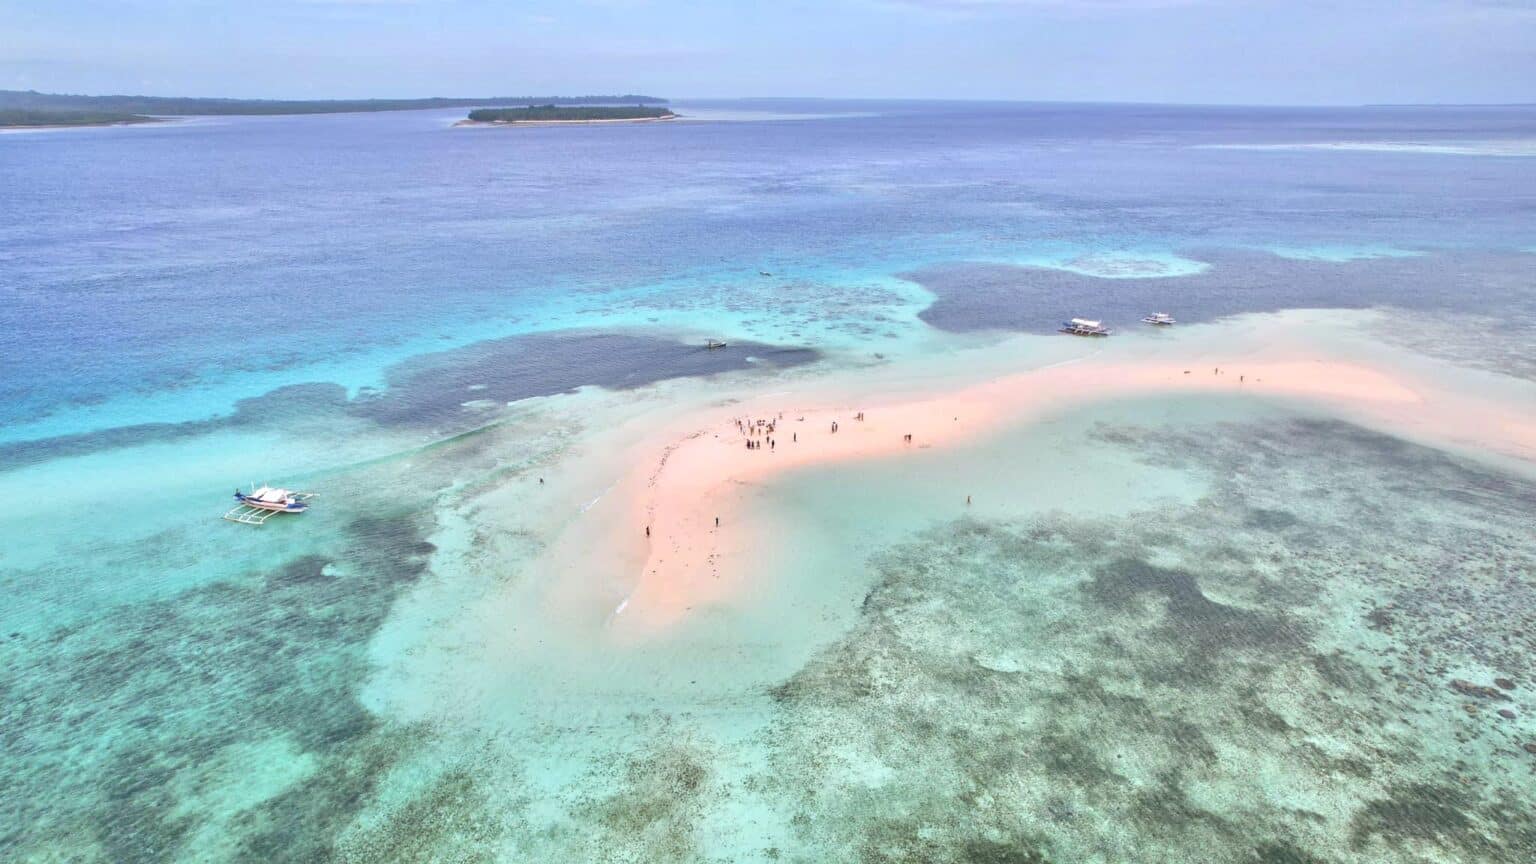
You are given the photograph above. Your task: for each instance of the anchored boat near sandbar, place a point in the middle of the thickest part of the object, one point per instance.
(1084, 327)
(261, 504)
(1159, 319)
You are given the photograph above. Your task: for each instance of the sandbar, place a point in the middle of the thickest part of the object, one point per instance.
(660, 519)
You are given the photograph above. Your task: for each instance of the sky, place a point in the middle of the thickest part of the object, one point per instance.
(1192, 51)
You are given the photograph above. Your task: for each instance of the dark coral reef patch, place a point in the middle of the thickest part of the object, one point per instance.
(1196, 683)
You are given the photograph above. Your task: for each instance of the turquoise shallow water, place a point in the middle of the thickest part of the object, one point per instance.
(1172, 630)
(1259, 674)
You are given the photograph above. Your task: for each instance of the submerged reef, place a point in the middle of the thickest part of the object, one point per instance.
(224, 724)
(1329, 657)
(1265, 676)
(447, 391)
(197, 726)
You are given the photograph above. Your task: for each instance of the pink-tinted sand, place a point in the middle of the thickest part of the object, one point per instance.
(699, 468)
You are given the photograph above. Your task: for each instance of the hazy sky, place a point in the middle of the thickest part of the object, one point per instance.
(1247, 51)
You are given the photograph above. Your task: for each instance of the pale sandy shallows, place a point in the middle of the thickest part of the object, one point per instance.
(696, 470)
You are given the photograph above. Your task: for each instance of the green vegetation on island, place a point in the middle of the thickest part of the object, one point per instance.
(13, 117)
(557, 113)
(31, 100)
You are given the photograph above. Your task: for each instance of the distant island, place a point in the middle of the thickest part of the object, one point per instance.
(551, 113)
(67, 109)
(14, 118)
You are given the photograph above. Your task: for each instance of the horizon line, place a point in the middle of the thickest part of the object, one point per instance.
(805, 98)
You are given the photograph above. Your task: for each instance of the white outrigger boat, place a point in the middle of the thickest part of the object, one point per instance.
(1159, 319)
(261, 504)
(1084, 327)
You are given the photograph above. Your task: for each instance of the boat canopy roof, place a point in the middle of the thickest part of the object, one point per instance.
(1084, 322)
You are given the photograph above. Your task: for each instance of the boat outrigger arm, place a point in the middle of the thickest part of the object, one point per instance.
(256, 507)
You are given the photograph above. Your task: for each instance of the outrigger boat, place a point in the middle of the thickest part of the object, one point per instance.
(1084, 327)
(714, 343)
(261, 504)
(1159, 319)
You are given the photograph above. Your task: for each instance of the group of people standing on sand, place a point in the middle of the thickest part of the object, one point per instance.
(758, 432)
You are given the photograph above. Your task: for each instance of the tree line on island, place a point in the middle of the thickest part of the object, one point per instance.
(26, 117)
(31, 108)
(551, 112)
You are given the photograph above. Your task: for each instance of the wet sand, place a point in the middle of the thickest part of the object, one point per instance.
(700, 469)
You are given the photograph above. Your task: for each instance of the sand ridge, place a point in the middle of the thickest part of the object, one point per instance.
(685, 561)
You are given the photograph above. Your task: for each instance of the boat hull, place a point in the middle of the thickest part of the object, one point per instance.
(276, 506)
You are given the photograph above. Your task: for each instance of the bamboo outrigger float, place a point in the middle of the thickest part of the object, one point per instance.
(265, 502)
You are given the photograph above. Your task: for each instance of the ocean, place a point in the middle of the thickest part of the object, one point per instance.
(1171, 629)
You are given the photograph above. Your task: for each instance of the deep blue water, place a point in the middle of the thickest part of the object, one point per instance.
(187, 256)
(345, 304)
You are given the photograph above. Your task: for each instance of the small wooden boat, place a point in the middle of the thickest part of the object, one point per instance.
(1159, 319)
(713, 344)
(261, 504)
(1084, 327)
